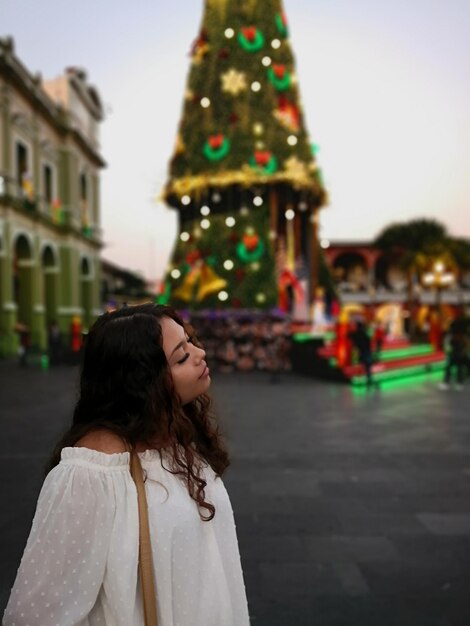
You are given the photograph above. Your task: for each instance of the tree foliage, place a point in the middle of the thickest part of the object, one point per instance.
(245, 95)
(421, 242)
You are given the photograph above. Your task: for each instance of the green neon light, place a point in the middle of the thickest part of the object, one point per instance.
(400, 383)
(302, 337)
(402, 372)
(412, 380)
(390, 355)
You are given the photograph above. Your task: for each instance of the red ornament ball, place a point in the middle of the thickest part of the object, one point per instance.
(233, 118)
(240, 274)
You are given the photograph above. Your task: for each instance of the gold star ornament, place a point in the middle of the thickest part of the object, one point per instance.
(233, 82)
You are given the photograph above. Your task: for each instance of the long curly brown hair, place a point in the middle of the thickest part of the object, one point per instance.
(126, 387)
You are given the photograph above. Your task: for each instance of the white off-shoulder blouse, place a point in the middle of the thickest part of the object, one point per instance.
(80, 565)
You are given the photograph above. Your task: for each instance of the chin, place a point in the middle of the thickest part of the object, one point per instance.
(205, 387)
(206, 383)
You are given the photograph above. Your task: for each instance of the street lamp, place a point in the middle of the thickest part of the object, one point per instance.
(439, 279)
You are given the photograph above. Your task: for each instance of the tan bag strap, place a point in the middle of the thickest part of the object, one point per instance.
(147, 579)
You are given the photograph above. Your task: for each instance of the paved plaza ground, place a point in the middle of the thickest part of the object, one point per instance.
(351, 510)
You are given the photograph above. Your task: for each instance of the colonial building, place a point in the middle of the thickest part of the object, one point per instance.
(363, 273)
(50, 236)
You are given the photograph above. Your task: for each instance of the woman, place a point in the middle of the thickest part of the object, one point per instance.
(143, 387)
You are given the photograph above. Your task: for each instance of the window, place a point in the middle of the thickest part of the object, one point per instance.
(22, 165)
(83, 187)
(85, 217)
(47, 182)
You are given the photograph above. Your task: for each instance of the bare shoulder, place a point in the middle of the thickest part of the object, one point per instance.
(102, 441)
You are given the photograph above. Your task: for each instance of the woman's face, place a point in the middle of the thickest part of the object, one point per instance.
(186, 361)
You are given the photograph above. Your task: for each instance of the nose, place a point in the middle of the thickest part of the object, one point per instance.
(200, 353)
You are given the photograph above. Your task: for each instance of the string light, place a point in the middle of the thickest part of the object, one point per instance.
(228, 264)
(184, 236)
(260, 297)
(205, 224)
(244, 211)
(229, 33)
(205, 103)
(258, 128)
(175, 273)
(292, 140)
(230, 221)
(257, 200)
(216, 197)
(186, 200)
(289, 214)
(255, 86)
(275, 43)
(266, 61)
(325, 244)
(205, 210)
(223, 296)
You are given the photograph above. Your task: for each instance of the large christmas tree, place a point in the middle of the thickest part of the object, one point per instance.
(243, 176)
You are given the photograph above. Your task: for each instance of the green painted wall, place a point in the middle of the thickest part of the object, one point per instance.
(65, 297)
(46, 294)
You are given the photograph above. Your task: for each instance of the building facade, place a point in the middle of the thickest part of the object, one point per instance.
(364, 274)
(50, 236)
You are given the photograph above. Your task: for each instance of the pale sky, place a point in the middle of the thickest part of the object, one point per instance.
(385, 88)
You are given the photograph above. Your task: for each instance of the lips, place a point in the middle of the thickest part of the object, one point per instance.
(205, 372)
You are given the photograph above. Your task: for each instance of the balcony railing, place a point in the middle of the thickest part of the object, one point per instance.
(14, 193)
(457, 295)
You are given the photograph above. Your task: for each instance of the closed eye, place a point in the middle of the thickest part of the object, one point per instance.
(182, 360)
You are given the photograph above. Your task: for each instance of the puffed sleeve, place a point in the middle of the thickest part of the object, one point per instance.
(68, 551)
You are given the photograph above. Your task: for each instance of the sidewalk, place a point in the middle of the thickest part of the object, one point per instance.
(351, 510)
